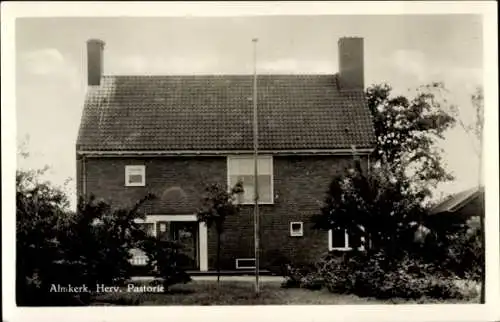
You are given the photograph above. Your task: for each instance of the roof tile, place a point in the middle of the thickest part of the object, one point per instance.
(215, 113)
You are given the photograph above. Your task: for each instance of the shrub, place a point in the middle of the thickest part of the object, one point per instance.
(279, 264)
(303, 276)
(455, 246)
(55, 246)
(165, 261)
(376, 275)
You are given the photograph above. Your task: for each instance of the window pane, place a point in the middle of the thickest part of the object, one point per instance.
(338, 238)
(245, 165)
(248, 187)
(265, 165)
(135, 178)
(247, 196)
(296, 227)
(265, 188)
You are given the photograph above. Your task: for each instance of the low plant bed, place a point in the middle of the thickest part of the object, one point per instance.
(378, 277)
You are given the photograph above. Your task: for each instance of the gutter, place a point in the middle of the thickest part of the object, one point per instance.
(166, 153)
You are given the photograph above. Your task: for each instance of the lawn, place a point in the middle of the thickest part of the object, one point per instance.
(242, 293)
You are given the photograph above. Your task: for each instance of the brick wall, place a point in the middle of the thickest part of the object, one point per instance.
(300, 184)
(177, 182)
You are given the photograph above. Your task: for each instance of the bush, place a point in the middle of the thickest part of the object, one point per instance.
(376, 275)
(302, 276)
(455, 246)
(165, 262)
(279, 264)
(55, 246)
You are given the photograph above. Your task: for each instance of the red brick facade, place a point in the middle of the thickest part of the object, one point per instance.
(300, 183)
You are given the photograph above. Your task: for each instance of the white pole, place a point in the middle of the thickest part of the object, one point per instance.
(255, 182)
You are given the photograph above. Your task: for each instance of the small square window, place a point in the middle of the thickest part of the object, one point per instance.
(296, 229)
(135, 175)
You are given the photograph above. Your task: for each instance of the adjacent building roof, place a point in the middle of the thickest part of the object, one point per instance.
(458, 201)
(156, 113)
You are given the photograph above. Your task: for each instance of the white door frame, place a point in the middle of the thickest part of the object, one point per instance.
(202, 235)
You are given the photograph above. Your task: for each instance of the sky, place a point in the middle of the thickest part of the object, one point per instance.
(405, 51)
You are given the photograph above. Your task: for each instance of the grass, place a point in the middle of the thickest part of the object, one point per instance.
(242, 293)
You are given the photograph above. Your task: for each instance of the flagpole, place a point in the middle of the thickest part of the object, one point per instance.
(255, 182)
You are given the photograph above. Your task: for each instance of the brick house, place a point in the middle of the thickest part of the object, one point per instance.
(172, 135)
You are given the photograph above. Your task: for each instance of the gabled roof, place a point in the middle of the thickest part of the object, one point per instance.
(151, 113)
(458, 200)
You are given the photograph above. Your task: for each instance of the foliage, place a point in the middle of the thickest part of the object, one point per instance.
(40, 208)
(165, 261)
(303, 276)
(455, 246)
(217, 205)
(58, 247)
(96, 241)
(473, 126)
(379, 275)
(407, 131)
(375, 207)
(279, 264)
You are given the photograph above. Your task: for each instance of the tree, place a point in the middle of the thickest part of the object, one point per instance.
(475, 131)
(217, 205)
(386, 205)
(478, 103)
(97, 240)
(40, 209)
(377, 210)
(55, 246)
(407, 130)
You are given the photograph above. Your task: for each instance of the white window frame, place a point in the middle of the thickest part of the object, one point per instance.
(346, 247)
(245, 259)
(260, 157)
(135, 169)
(300, 233)
(346, 241)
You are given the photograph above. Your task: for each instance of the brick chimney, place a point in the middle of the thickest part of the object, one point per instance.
(351, 62)
(95, 49)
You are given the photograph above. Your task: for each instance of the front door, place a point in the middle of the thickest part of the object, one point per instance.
(186, 233)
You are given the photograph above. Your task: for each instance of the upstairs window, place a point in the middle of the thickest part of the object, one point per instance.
(241, 168)
(135, 175)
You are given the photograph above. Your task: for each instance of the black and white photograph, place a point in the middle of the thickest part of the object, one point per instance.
(323, 159)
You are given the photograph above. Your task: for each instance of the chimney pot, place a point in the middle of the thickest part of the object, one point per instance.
(351, 63)
(95, 48)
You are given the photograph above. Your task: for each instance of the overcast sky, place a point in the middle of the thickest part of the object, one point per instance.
(404, 51)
